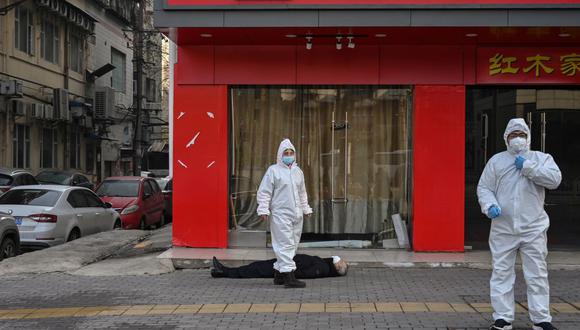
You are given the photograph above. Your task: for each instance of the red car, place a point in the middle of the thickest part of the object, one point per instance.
(138, 200)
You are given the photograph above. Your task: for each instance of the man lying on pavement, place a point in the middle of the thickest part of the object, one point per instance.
(306, 267)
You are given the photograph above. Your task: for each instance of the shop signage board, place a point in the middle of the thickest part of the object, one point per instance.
(214, 3)
(528, 65)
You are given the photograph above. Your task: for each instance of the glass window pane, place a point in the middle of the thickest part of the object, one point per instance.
(118, 75)
(33, 197)
(352, 145)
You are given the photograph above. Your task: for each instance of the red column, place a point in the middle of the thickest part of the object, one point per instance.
(438, 168)
(200, 166)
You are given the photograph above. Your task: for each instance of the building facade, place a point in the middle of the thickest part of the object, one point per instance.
(45, 96)
(394, 107)
(71, 66)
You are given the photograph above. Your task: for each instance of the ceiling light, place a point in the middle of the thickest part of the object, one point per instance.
(309, 43)
(564, 35)
(380, 35)
(290, 36)
(351, 44)
(206, 35)
(471, 35)
(338, 43)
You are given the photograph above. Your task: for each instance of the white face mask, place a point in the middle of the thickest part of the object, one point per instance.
(518, 144)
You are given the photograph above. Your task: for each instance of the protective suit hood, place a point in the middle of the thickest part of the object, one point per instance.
(285, 144)
(517, 124)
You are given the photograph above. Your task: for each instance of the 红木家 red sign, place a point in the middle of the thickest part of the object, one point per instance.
(528, 65)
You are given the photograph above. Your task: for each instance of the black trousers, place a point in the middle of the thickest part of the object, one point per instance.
(306, 267)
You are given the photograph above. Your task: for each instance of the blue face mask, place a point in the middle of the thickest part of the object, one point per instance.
(288, 160)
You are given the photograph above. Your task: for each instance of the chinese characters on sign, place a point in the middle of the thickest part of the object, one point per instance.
(500, 64)
(527, 65)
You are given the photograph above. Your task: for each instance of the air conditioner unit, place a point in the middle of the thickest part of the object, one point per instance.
(37, 110)
(60, 104)
(76, 108)
(48, 112)
(19, 108)
(11, 88)
(104, 102)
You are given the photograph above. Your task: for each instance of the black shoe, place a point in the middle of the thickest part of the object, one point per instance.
(544, 326)
(290, 281)
(218, 265)
(218, 269)
(217, 273)
(501, 324)
(278, 278)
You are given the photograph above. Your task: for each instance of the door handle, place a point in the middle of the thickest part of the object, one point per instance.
(97, 213)
(340, 200)
(79, 215)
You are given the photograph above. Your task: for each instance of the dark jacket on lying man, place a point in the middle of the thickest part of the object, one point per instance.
(306, 267)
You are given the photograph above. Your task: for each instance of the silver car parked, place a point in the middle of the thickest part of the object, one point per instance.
(48, 215)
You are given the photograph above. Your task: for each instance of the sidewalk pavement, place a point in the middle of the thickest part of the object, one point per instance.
(369, 298)
(72, 255)
(184, 258)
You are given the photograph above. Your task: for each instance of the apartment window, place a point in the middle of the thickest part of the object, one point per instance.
(150, 90)
(48, 151)
(118, 77)
(21, 146)
(75, 148)
(76, 57)
(50, 41)
(24, 30)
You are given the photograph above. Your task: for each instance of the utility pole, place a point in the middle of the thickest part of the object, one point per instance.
(138, 63)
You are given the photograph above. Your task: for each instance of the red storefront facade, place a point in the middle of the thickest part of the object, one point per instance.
(437, 48)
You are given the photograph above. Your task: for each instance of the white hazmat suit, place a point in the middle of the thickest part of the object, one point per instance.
(282, 196)
(521, 226)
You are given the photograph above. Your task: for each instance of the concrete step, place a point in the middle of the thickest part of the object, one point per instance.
(193, 258)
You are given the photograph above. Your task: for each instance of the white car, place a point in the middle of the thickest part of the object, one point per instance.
(48, 215)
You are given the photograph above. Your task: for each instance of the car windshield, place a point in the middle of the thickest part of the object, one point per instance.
(33, 197)
(119, 188)
(5, 180)
(53, 178)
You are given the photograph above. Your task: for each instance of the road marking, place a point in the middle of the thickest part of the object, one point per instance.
(334, 307)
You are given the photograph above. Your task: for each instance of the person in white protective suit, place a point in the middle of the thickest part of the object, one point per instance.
(511, 193)
(282, 196)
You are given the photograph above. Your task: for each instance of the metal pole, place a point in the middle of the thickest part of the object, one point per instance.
(138, 54)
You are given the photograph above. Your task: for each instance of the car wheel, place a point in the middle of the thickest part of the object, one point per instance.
(117, 224)
(143, 224)
(8, 248)
(74, 234)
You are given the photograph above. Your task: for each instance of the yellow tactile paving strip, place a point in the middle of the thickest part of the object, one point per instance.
(376, 307)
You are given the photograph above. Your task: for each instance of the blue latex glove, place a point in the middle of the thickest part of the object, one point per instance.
(493, 212)
(519, 162)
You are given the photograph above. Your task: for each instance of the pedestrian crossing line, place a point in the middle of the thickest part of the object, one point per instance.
(265, 308)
